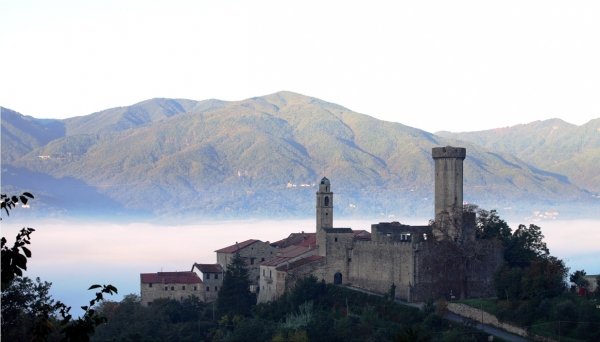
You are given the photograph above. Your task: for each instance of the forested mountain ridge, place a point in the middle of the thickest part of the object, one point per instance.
(259, 157)
(552, 145)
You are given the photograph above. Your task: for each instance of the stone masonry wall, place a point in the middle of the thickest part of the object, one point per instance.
(151, 292)
(375, 266)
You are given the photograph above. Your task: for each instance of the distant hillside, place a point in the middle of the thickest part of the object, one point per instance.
(553, 145)
(261, 157)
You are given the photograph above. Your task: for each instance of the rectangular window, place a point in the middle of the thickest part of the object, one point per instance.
(270, 274)
(150, 285)
(166, 288)
(251, 261)
(216, 288)
(262, 259)
(195, 288)
(183, 287)
(207, 275)
(172, 288)
(263, 272)
(208, 289)
(216, 275)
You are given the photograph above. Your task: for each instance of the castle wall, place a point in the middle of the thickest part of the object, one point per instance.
(338, 251)
(445, 269)
(376, 266)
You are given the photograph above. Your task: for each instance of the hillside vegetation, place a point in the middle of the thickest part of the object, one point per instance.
(257, 157)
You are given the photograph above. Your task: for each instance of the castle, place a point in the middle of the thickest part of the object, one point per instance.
(441, 259)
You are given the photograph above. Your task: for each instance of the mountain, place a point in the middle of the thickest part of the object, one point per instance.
(261, 157)
(552, 145)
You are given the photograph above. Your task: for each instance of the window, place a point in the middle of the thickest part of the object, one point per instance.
(207, 275)
(149, 303)
(270, 274)
(262, 259)
(208, 289)
(216, 289)
(326, 201)
(251, 261)
(172, 288)
(150, 285)
(263, 272)
(195, 288)
(335, 239)
(183, 287)
(166, 288)
(216, 275)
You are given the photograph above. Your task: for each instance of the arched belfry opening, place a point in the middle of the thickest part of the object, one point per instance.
(337, 279)
(326, 202)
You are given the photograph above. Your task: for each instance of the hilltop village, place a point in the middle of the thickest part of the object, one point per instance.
(441, 259)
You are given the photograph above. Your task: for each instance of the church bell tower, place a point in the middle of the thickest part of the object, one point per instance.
(324, 205)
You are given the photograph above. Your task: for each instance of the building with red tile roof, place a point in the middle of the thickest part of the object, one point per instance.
(169, 285)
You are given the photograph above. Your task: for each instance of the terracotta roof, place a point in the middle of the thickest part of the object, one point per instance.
(170, 278)
(362, 235)
(286, 254)
(208, 268)
(297, 239)
(301, 262)
(237, 247)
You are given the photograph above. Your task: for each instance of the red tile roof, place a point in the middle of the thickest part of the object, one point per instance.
(301, 262)
(362, 235)
(237, 247)
(170, 278)
(208, 268)
(297, 239)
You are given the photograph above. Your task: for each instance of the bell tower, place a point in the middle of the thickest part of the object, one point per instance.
(324, 205)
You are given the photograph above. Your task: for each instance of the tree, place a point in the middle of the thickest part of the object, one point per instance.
(578, 278)
(525, 245)
(490, 225)
(235, 297)
(37, 300)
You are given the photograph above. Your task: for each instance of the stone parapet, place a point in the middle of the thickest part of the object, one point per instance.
(449, 152)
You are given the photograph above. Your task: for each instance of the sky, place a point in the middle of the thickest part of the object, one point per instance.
(434, 65)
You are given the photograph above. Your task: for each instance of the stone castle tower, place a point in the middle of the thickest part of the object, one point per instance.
(448, 192)
(324, 212)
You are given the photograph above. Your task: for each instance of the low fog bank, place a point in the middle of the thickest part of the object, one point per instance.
(75, 254)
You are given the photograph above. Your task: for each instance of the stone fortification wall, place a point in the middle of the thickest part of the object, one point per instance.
(448, 270)
(484, 317)
(338, 251)
(376, 266)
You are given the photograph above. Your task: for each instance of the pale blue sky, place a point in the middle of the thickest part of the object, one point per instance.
(435, 65)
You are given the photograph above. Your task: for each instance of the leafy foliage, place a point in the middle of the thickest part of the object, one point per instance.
(24, 299)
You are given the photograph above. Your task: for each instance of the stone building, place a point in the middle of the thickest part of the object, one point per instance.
(169, 285)
(253, 252)
(212, 279)
(441, 259)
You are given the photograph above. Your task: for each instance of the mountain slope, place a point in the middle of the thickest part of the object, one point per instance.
(552, 145)
(262, 156)
(21, 134)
